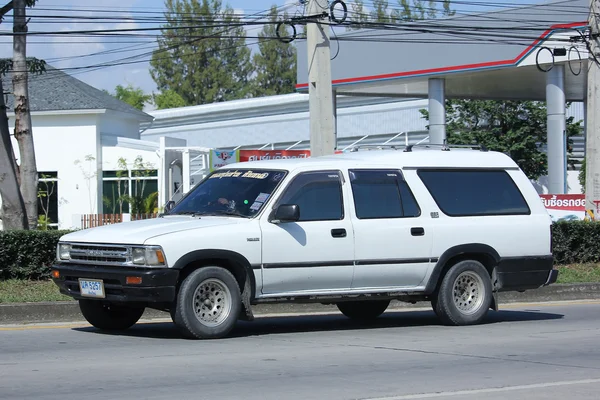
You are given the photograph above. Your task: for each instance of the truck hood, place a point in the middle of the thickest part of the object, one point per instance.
(137, 232)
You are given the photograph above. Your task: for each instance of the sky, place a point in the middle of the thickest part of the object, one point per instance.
(76, 54)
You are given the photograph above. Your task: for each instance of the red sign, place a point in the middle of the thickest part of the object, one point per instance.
(258, 155)
(566, 202)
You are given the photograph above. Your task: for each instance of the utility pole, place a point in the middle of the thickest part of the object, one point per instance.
(320, 94)
(592, 147)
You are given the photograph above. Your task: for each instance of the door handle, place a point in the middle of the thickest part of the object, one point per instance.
(338, 233)
(417, 231)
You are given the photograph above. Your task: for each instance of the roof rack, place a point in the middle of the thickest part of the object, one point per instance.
(446, 147)
(377, 146)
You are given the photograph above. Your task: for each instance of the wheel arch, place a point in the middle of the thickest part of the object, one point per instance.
(232, 261)
(485, 254)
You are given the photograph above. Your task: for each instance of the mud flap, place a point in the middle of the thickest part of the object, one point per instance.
(246, 312)
(494, 305)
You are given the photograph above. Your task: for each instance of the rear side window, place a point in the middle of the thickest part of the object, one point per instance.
(382, 194)
(461, 193)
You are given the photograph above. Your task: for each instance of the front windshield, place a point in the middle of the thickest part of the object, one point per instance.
(237, 192)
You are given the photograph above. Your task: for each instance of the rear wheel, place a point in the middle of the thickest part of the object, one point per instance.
(465, 294)
(208, 304)
(363, 310)
(110, 316)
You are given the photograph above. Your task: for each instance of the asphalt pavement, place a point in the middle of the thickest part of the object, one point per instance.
(524, 351)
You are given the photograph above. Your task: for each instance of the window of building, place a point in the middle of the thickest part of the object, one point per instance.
(471, 192)
(130, 191)
(48, 199)
(382, 194)
(318, 194)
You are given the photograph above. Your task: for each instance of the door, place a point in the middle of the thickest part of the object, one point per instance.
(314, 254)
(393, 238)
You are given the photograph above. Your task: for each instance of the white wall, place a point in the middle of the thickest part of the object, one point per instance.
(355, 121)
(114, 123)
(573, 186)
(115, 148)
(59, 141)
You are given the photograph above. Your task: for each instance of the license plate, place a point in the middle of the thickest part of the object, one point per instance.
(91, 288)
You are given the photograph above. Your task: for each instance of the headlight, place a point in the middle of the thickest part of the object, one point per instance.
(147, 256)
(64, 251)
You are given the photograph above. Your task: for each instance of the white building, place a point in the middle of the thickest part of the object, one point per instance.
(80, 133)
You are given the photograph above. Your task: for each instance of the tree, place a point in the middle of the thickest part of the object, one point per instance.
(405, 13)
(23, 130)
(359, 16)
(202, 54)
(517, 128)
(135, 97)
(168, 99)
(275, 61)
(14, 215)
(380, 11)
(19, 205)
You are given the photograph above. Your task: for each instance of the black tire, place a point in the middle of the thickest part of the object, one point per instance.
(363, 310)
(465, 294)
(224, 300)
(110, 316)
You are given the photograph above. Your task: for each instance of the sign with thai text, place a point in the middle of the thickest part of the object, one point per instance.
(564, 206)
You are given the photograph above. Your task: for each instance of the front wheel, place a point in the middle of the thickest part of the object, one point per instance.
(465, 294)
(208, 304)
(363, 310)
(110, 316)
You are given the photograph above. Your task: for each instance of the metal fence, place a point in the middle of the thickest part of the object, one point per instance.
(94, 220)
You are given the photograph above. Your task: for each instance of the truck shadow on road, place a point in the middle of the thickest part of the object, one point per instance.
(265, 326)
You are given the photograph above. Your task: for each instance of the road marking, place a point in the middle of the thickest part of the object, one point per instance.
(485, 391)
(82, 324)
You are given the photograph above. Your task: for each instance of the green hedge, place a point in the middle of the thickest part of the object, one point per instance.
(576, 242)
(29, 254)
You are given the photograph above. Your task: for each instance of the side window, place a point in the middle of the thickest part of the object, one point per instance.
(382, 194)
(474, 192)
(318, 194)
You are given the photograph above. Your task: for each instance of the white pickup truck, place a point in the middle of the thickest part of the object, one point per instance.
(450, 226)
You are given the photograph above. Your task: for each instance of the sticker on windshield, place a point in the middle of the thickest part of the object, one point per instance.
(237, 174)
(262, 197)
(277, 177)
(256, 205)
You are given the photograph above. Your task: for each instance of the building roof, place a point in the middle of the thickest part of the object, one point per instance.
(418, 157)
(56, 90)
(493, 55)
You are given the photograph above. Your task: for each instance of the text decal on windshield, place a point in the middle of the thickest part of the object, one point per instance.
(237, 174)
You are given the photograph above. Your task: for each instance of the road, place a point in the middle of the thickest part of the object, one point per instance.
(528, 351)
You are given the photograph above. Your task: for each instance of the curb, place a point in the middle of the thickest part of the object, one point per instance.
(68, 311)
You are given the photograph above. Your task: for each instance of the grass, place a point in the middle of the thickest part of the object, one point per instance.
(579, 273)
(19, 291)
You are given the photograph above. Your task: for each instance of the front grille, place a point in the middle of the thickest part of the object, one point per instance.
(100, 254)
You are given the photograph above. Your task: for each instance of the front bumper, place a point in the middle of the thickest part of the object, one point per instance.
(157, 285)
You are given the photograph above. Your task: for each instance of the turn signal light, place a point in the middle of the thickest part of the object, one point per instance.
(133, 280)
(55, 274)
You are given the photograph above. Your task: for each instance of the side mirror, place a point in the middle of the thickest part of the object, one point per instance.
(169, 206)
(287, 213)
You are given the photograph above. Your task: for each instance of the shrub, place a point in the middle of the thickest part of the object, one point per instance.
(576, 242)
(27, 254)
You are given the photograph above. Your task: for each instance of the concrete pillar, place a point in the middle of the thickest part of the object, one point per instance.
(556, 105)
(437, 111)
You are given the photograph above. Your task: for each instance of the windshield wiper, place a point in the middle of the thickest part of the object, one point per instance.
(192, 213)
(220, 213)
